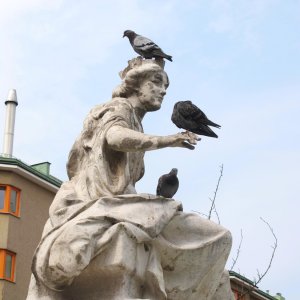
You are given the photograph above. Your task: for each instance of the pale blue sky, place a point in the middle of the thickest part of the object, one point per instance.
(237, 60)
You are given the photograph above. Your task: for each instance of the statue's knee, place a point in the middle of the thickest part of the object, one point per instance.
(58, 276)
(65, 264)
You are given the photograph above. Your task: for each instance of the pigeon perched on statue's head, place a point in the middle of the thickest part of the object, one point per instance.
(145, 47)
(188, 116)
(168, 184)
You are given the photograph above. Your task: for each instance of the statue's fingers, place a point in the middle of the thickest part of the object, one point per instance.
(194, 140)
(194, 136)
(188, 146)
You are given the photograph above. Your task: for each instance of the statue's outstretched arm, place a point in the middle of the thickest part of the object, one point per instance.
(128, 140)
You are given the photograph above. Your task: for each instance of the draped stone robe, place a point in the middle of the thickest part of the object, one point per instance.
(104, 241)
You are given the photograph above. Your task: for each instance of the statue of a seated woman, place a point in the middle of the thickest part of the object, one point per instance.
(103, 240)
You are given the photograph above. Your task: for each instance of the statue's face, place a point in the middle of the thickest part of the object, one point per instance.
(152, 91)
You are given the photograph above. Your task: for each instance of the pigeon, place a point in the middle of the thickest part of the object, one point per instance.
(168, 184)
(188, 116)
(145, 47)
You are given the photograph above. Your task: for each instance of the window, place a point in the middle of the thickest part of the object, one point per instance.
(239, 295)
(9, 200)
(7, 265)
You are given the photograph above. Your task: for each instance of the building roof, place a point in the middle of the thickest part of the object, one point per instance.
(250, 284)
(31, 172)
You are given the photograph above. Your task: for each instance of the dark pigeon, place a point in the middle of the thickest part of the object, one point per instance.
(145, 47)
(168, 184)
(188, 116)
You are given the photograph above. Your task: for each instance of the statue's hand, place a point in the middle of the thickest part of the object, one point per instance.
(186, 140)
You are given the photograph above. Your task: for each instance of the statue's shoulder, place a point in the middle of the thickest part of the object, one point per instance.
(115, 104)
(120, 103)
(116, 107)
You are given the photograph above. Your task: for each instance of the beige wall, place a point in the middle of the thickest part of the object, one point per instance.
(24, 232)
(4, 221)
(1, 289)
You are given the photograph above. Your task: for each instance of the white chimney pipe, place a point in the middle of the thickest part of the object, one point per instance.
(11, 104)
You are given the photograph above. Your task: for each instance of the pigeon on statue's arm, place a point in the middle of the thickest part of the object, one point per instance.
(188, 116)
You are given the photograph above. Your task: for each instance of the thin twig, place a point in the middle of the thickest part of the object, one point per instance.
(215, 193)
(215, 210)
(200, 213)
(262, 275)
(237, 252)
(274, 247)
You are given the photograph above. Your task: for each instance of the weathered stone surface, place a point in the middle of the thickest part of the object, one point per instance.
(105, 241)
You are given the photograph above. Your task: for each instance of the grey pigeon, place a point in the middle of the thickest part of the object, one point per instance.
(168, 184)
(188, 116)
(145, 47)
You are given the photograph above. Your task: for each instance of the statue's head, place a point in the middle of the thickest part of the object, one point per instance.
(146, 79)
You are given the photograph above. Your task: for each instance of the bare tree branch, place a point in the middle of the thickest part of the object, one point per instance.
(262, 275)
(237, 252)
(215, 193)
(274, 247)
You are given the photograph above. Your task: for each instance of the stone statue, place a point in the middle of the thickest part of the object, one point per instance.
(103, 240)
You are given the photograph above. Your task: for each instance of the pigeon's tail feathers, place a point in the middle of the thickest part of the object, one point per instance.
(205, 130)
(168, 57)
(212, 134)
(210, 123)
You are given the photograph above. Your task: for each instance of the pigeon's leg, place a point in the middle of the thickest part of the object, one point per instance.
(160, 61)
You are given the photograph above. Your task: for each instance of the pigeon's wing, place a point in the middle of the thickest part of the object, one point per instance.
(144, 44)
(176, 185)
(156, 51)
(170, 185)
(185, 112)
(148, 48)
(181, 116)
(188, 110)
(191, 112)
(200, 117)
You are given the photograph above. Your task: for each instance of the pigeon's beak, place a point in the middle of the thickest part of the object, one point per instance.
(123, 35)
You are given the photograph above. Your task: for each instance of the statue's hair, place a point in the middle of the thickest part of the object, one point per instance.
(133, 79)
